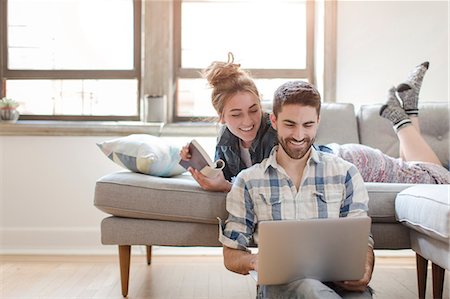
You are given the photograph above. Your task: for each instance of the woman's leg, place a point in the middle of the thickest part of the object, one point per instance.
(413, 146)
(375, 166)
(416, 125)
(415, 122)
(408, 92)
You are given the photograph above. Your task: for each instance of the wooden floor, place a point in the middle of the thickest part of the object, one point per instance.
(177, 277)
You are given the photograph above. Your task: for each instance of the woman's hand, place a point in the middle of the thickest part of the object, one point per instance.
(184, 152)
(217, 183)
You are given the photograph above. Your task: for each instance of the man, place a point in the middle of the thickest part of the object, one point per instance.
(294, 182)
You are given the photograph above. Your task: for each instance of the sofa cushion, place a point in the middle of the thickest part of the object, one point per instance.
(119, 230)
(426, 209)
(333, 118)
(382, 201)
(179, 198)
(377, 132)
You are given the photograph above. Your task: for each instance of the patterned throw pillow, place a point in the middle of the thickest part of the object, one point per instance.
(145, 154)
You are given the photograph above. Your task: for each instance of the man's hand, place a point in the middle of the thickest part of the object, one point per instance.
(360, 285)
(239, 261)
(217, 183)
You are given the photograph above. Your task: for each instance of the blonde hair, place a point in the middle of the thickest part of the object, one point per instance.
(226, 79)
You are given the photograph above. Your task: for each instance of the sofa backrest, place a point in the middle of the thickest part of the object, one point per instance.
(377, 132)
(337, 124)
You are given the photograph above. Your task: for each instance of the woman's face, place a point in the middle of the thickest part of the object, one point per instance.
(242, 115)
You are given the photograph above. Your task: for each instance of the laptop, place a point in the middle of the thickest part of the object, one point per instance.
(332, 249)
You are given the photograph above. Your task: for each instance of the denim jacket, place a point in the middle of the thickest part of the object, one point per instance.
(229, 151)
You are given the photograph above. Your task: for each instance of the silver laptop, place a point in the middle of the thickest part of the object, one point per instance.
(332, 249)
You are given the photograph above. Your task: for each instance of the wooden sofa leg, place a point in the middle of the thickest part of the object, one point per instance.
(438, 280)
(421, 265)
(149, 254)
(124, 259)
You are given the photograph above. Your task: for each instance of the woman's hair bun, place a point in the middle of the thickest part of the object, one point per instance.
(221, 73)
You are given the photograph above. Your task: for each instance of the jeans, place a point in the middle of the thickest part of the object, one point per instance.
(308, 289)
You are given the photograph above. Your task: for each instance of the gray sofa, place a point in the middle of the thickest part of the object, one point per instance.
(146, 210)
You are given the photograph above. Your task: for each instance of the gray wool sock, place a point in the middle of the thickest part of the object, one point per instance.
(408, 91)
(394, 112)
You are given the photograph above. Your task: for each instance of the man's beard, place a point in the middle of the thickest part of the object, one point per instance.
(295, 153)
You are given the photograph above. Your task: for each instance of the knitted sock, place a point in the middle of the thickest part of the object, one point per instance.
(409, 90)
(394, 112)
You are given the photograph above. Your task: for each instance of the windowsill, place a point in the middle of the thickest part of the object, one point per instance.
(106, 128)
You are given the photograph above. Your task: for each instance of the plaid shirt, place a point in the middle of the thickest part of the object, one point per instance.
(330, 188)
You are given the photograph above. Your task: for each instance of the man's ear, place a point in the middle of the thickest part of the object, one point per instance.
(273, 121)
(221, 120)
(318, 119)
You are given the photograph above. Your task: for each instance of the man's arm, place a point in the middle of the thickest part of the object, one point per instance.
(356, 204)
(237, 231)
(239, 261)
(356, 197)
(362, 284)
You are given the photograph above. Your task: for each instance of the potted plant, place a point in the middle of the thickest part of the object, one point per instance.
(8, 110)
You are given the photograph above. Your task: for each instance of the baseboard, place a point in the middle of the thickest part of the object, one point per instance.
(394, 253)
(77, 241)
(49, 240)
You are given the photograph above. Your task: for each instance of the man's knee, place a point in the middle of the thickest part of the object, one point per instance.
(312, 288)
(303, 288)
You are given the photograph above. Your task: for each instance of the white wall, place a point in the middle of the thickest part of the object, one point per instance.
(379, 42)
(46, 193)
(1, 185)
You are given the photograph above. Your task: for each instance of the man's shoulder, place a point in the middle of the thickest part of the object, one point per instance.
(255, 171)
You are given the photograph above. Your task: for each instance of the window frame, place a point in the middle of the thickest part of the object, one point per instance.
(135, 73)
(194, 73)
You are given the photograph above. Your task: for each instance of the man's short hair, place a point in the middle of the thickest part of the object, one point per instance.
(296, 92)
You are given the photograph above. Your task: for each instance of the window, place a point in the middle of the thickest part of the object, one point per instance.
(271, 39)
(72, 60)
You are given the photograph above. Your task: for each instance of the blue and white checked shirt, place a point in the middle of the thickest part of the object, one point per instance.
(330, 188)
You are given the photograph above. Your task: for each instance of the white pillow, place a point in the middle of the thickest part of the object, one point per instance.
(144, 153)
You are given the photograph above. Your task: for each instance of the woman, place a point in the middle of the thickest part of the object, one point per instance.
(248, 137)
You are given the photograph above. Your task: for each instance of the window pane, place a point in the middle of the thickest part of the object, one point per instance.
(74, 97)
(194, 96)
(70, 34)
(261, 34)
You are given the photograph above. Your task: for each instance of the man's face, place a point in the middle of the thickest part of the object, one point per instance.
(296, 127)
